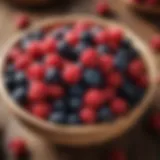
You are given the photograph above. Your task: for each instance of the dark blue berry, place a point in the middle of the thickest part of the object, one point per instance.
(103, 49)
(73, 119)
(126, 44)
(19, 95)
(74, 103)
(86, 37)
(58, 117)
(92, 78)
(59, 105)
(10, 70)
(76, 90)
(104, 114)
(10, 83)
(52, 76)
(20, 79)
(79, 48)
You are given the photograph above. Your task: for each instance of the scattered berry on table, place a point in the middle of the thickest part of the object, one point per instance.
(79, 73)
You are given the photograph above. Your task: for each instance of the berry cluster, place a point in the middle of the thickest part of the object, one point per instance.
(147, 2)
(79, 73)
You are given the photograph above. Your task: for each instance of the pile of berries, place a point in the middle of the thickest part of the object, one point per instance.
(147, 2)
(79, 73)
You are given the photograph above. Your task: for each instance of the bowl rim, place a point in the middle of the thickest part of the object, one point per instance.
(81, 129)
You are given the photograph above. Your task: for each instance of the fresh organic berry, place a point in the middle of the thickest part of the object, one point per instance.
(37, 91)
(41, 110)
(104, 114)
(72, 74)
(14, 54)
(92, 78)
(81, 26)
(52, 76)
(54, 61)
(102, 37)
(87, 115)
(79, 48)
(74, 103)
(17, 146)
(19, 95)
(36, 71)
(56, 91)
(10, 70)
(10, 83)
(59, 105)
(115, 79)
(109, 94)
(20, 78)
(94, 98)
(89, 57)
(71, 38)
(73, 119)
(58, 117)
(103, 49)
(102, 8)
(155, 42)
(119, 107)
(76, 90)
(86, 37)
(22, 21)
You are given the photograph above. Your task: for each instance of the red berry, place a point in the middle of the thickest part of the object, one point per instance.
(155, 42)
(22, 62)
(94, 98)
(54, 61)
(72, 74)
(37, 91)
(106, 63)
(102, 37)
(115, 79)
(41, 110)
(119, 107)
(71, 38)
(18, 147)
(117, 155)
(36, 71)
(14, 54)
(155, 122)
(87, 115)
(109, 94)
(49, 45)
(89, 57)
(143, 81)
(22, 21)
(102, 8)
(56, 91)
(34, 49)
(136, 68)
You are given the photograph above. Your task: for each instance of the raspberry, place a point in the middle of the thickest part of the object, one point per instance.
(37, 91)
(14, 54)
(154, 121)
(106, 63)
(115, 79)
(22, 21)
(87, 115)
(41, 110)
(94, 98)
(119, 107)
(89, 57)
(117, 155)
(56, 91)
(102, 37)
(22, 62)
(155, 42)
(49, 45)
(102, 8)
(136, 68)
(72, 74)
(71, 38)
(36, 71)
(17, 146)
(109, 94)
(34, 49)
(54, 61)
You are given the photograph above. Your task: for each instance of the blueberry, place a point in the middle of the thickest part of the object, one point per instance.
(20, 78)
(58, 117)
(103, 49)
(52, 76)
(59, 105)
(19, 95)
(76, 90)
(79, 48)
(74, 103)
(73, 119)
(126, 43)
(92, 78)
(86, 37)
(10, 70)
(10, 83)
(104, 114)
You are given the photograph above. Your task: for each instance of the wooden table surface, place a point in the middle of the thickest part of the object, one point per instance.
(138, 144)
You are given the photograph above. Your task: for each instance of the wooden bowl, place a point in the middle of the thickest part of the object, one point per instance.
(143, 8)
(84, 134)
